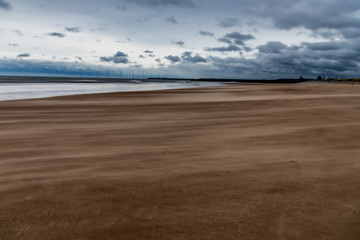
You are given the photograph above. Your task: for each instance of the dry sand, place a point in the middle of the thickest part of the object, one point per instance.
(239, 162)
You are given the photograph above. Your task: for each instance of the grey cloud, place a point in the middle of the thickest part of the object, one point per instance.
(106, 59)
(141, 56)
(13, 44)
(328, 19)
(121, 8)
(160, 3)
(314, 22)
(99, 29)
(149, 54)
(350, 33)
(73, 29)
(118, 58)
(196, 59)
(188, 58)
(230, 48)
(205, 33)
(18, 32)
(322, 16)
(247, 49)
(325, 33)
(226, 40)
(179, 43)
(5, 5)
(187, 54)
(23, 55)
(171, 20)
(137, 66)
(308, 59)
(173, 59)
(229, 22)
(292, 62)
(236, 38)
(56, 34)
(272, 47)
(324, 46)
(70, 68)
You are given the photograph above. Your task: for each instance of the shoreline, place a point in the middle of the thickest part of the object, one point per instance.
(92, 79)
(165, 89)
(246, 161)
(23, 91)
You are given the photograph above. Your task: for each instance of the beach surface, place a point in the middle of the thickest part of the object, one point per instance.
(233, 162)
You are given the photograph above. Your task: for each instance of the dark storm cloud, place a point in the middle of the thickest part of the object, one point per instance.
(330, 34)
(313, 59)
(230, 48)
(247, 49)
(225, 40)
(322, 16)
(186, 57)
(160, 3)
(236, 38)
(173, 59)
(351, 33)
(186, 54)
(5, 5)
(194, 59)
(179, 43)
(272, 47)
(171, 20)
(23, 55)
(229, 22)
(276, 60)
(118, 58)
(325, 46)
(304, 59)
(205, 33)
(73, 29)
(314, 22)
(56, 34)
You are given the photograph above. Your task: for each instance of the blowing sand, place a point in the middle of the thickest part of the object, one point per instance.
(236, 162)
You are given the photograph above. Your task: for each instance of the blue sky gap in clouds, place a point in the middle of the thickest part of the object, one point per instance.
(183, 38)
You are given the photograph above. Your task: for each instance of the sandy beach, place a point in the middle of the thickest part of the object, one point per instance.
(233, 162)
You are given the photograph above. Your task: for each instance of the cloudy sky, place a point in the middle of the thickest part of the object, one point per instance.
(181, 38)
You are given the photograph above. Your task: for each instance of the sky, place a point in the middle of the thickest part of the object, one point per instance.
(239, 39)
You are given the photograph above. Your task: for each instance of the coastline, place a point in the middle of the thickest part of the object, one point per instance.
(26, 90)
(231, 162)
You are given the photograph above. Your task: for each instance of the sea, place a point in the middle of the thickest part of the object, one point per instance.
(11, 89)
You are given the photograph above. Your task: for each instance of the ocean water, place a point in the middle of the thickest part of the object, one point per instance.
(17, 91)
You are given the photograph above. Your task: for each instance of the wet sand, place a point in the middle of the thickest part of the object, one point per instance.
(236, 162)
